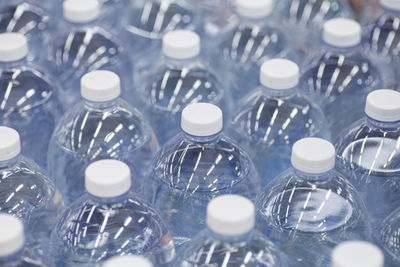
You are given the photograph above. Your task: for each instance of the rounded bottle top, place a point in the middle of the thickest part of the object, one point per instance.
(128, 261)
(13, 46)
(357, 254)
(10, 144)
(201, 119)
(279, 73)
(12, 237)
(78, 11)
(390, 4)
(341, 32)
(254, 9)
(313, 155)
(107, 178)
(100, 86)
(181, 44)
(230, 215)
(383, 105)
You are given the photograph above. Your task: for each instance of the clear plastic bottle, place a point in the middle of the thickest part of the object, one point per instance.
(28, 101)
(175, 79)
(84, 43)
(109, 220)
(388, 238)
(273, 116)
(341, 75)
(128, 261)
(27, 193)
(195, 166)
(368, 153)
(255, 39)
(357, 254)
(230, 238)
(100, 126)
(311, 207)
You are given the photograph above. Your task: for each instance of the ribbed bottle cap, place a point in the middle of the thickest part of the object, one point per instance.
(279, 73)
(12, 236)
(79, 11)
(13, 46)
(107, 178)
(128, 261)
(341, 32)
(313, 155)
(390, 4)
(230, 215)
(181, 44)
(100, 86)
(201, 119)
(383, 105)
(357, 254)
(10, 145)
(254, 9)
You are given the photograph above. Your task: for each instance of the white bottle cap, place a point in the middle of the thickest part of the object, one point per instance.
(100, 86)
(13, 46)
(383, 105)
(79, 11)
(12, 236)
(357, 254)
(201, 119)
(107, 178)
(341, 32)
(313, 155)
(390, 4)
(10, 144)
(128, 261)
(230, 215)
(279, 73)
(254, 9)
(181, 44)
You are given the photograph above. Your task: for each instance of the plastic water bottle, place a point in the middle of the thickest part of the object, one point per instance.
(27, 193)
(230, 238)
(368, 153)
(109, 220)
(273, 116)
(100, 126)
(341, 76)
(175, 79)
(388, 238)
(311, 207)
(13, 250)
(357, 254)
(381, 38)
(28, 101)
(255, 39)
(128, 261)
(84, 44)
(195, 166)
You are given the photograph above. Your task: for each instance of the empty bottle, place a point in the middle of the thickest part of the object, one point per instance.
(13, 250)
(388, 238)
(109, 220)
(100, 126)
(83, 44)
(255, 39)
(311, 207)
(27, 193)
(178, 77)
(28, 101)
(357, 254)
(341, 76)
(230, 238)
(195, 166)
(273, 116)
(368, 153)
(128, 261)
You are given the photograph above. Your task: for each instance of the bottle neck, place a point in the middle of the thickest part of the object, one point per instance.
(203, 139)
(391, 12)
(254, 21)
(100, 105)
(7, 164)
(180, 63)
(13, 64)
(110, 200)
(231, 239)
(11, 258)
(313, 177)
(386, 126)
(341, 50)
(282, 93)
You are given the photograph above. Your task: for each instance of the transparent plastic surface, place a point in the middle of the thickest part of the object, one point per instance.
(268, 122)
(190, 171)
(94, 229)
(388, 238)
(94, 131)
(26, 257)
(308, 215)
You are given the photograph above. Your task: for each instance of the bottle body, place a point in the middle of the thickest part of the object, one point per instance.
(387, 238)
